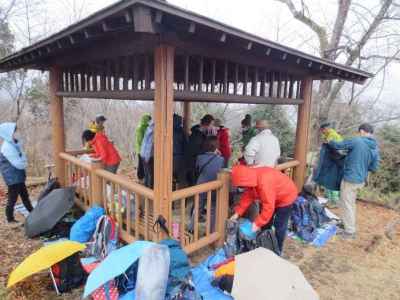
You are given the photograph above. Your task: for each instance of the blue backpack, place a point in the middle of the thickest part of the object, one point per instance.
(307, 216)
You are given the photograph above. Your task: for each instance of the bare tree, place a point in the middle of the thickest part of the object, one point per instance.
(361, 36)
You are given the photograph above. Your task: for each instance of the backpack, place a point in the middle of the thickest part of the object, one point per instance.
(68, 274)
(126, 282)
(185, 291)
(304, 219)
(198, 171)
(236, 242)
(231, 244)
(265, 238)
(105, 238)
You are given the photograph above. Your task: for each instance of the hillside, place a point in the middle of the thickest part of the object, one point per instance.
(366, 268)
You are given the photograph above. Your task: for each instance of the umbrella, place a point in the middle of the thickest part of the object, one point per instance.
(262, 275)
(116, 263)
(43, 259)
(49, 211)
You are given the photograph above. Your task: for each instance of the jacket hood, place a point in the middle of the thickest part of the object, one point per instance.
(244, 176)
(371, 142)
(177, 121)
(7, 130)
(145, 120)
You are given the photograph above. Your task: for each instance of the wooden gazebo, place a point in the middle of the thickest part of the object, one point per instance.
(152, 50)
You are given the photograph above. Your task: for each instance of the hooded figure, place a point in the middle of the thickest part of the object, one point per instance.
(362, 156)
(13, 163)
(179, 147)
(194, 148)
(275, 191)
(139, 135)
(140, 131)
(147, 154)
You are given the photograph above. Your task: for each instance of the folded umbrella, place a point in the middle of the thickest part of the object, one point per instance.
(115, 264)
(262, 275)
(49, 211)
(43, 259)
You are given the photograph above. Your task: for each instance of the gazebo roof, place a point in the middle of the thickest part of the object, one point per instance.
(161, 18)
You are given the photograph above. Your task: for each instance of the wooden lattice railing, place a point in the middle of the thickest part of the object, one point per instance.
(132, 204)
(186, 210)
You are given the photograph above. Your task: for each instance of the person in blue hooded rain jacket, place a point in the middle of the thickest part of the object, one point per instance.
(362, 157)
(147, 154)
(13, 164)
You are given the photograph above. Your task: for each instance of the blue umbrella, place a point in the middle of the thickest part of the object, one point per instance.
(116, 263)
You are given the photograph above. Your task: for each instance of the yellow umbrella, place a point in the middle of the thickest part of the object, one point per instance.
(43, 259)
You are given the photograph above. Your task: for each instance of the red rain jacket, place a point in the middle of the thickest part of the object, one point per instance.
(271, 187)
(105, 150)
(224, 142)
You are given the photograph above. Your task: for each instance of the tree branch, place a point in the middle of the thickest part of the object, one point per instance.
(314, 26)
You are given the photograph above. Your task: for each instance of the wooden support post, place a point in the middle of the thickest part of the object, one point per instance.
(222, 205)
(302, 131)
(57, 120)
(187, 117)
(96, 185)
(163, 112)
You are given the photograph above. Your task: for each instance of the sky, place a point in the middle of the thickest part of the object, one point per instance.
(266, 18)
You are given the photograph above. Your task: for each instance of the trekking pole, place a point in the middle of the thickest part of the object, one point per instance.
(54, 282)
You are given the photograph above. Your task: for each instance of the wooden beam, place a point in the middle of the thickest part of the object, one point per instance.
(163, 113)
(213, 75)
(246, 80)
(236, 81)
(192, 27)
(187, 117)
(142, 19)
(187, 64)
(128, 16)
(226, 84)
(57, 120)
(222, 38)
(180, 96)
(255, 82)
(302, 132)
(230, 98)
(159, 17)
(201, 73)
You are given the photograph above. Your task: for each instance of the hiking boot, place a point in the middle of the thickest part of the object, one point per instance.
(345, 235)
(13, 223)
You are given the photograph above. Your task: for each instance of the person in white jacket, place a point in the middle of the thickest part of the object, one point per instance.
(263, 150)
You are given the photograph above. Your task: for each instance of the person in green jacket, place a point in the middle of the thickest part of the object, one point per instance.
(139, 134)
(248, 131)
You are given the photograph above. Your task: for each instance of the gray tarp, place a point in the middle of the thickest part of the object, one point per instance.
(49, 211)
(262, 275)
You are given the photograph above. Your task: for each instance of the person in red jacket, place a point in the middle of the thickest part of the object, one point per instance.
(223, 141)
(276, 193)
(104, 150)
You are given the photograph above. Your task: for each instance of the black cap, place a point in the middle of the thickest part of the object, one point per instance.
(100, 118)
(366, 127)
(325, 125)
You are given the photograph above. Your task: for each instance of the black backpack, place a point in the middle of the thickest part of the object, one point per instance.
(68, 274)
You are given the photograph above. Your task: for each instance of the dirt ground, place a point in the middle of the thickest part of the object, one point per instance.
(367, 268)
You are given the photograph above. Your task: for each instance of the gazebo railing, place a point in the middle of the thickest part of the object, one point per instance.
(288, 167)
(132, 204)
(129, 203)
(186, 212)
(79, 174)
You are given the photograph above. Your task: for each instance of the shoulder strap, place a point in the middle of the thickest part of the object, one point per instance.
(206, 164)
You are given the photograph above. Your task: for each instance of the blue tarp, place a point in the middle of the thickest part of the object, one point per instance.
(202, 277)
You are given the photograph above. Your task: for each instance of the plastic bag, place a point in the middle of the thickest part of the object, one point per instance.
(152, 276)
